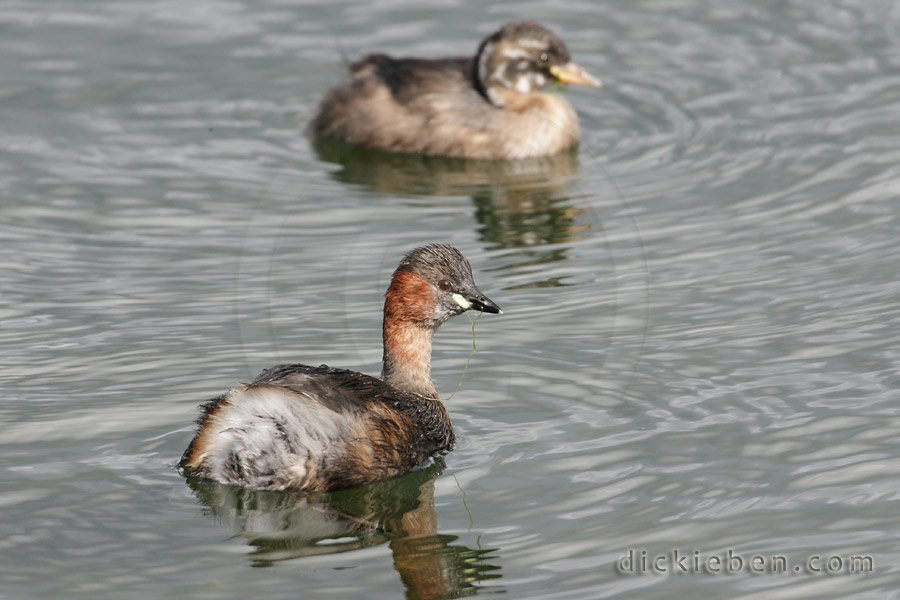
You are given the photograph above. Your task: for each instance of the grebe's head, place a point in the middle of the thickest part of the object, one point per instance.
(432, 284)
(525, 57)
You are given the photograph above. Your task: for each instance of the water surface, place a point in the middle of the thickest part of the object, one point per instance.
(699, 344)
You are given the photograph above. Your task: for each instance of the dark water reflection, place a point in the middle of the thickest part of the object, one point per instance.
(526, 205)
(400, 512)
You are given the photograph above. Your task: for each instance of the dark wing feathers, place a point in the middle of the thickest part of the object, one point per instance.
(340, 389)
(408, 78)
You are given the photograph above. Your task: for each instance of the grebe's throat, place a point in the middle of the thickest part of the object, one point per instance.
(408, 329)
(407, 358)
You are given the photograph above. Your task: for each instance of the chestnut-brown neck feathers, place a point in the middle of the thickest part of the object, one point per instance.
(407, 333)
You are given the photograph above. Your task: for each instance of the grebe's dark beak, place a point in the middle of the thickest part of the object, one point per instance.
(573, 73)
(483, 303)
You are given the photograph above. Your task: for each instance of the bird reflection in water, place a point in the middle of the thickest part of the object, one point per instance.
(399, 512)
(525, 206)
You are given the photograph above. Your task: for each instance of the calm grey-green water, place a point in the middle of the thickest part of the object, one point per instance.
(697, 363)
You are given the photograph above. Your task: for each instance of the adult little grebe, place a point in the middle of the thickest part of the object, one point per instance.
(488, 106)
(318, 428)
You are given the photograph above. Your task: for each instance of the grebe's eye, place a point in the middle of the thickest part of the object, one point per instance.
(544, 57)
(445, 285)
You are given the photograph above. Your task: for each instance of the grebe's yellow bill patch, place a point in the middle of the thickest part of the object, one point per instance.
(465, 304)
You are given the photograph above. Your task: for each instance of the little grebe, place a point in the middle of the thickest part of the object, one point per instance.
(318, 428)
(487, 107)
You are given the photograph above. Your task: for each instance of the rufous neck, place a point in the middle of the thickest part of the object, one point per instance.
(407, 334)
(407, 358)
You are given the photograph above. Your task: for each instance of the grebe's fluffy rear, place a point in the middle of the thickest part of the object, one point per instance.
(488, 106)
(319, 428)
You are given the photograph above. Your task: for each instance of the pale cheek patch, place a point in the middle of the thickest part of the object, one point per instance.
(465, 304)
(522, 85)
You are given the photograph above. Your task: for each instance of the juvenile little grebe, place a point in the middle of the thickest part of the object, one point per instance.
(318, 428)
(488, 106)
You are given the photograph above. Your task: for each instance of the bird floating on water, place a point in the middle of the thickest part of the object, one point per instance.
(488, 106)
(318, 428)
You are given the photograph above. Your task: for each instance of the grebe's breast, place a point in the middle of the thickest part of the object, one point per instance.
(315, 428)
